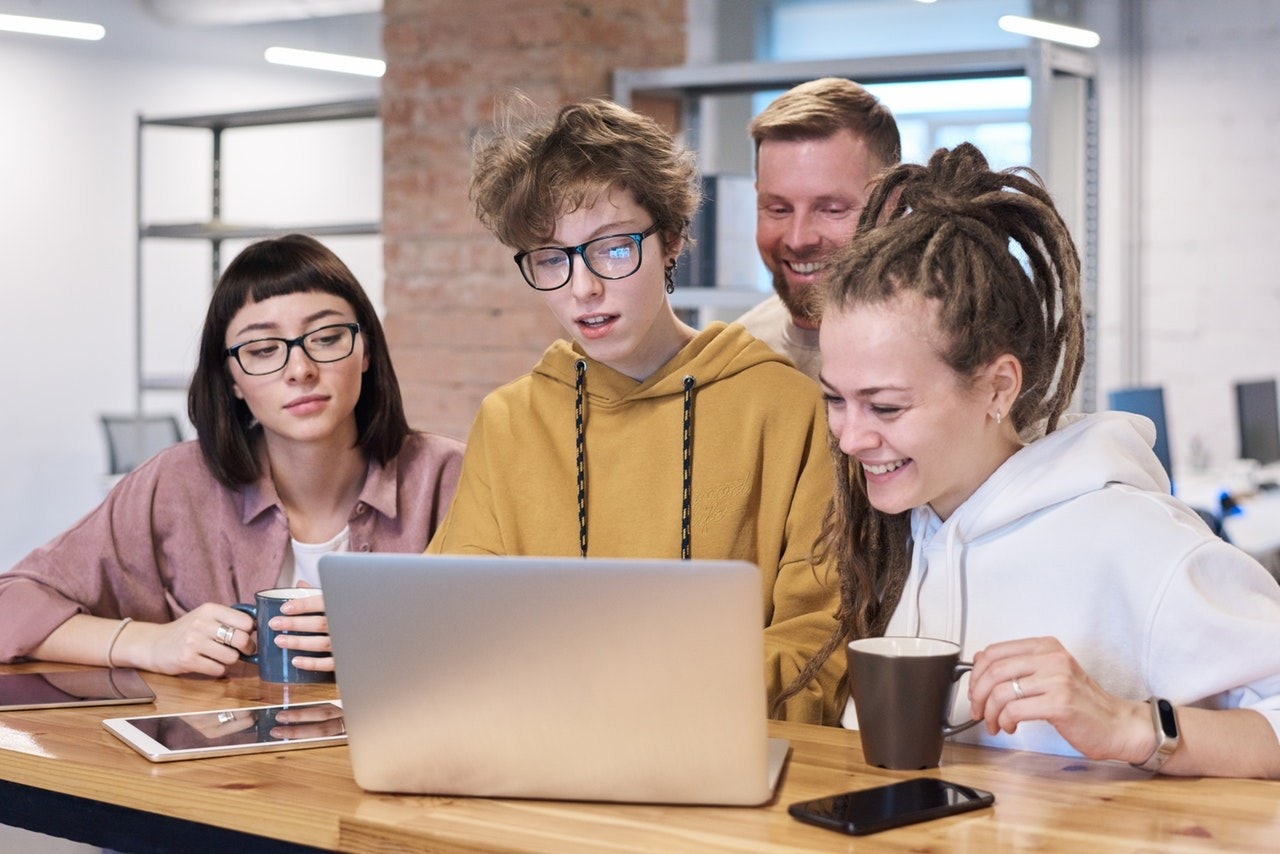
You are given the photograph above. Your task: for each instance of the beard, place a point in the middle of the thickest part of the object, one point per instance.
(797, 304)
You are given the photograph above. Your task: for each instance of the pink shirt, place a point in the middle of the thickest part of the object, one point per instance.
(169, 537)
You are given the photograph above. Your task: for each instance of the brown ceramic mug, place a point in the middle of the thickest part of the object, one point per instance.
(902, 691)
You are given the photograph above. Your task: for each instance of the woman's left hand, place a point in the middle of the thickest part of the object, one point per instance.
(305, 615)
(1037, 679)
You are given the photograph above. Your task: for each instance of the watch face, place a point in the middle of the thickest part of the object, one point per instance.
(1168, 723)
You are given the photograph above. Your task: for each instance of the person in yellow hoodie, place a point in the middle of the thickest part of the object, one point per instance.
(643, 437)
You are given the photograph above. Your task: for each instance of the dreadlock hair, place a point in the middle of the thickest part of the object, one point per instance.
(995, 255)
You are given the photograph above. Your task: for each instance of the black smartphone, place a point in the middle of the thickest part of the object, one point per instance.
(872, 810)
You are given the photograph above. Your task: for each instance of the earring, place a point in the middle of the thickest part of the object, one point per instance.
(670, 275)
(999, 417)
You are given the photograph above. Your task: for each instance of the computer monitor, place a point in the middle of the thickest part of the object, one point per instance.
(1259, 420)
(1148, 401)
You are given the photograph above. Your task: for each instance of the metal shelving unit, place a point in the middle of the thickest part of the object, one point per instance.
(215, 230)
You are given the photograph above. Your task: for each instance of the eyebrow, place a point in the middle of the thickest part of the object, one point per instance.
(862, 392)
(269, 326)
(606, 230)
(822, 199)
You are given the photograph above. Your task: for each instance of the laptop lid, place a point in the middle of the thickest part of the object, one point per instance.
(596, 679)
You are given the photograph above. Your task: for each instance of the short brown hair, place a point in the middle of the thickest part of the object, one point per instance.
(528, 173)
(819, 108)
(291, 264)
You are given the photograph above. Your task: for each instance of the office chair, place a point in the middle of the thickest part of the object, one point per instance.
(132, 439)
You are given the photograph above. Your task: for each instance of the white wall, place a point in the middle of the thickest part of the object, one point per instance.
(1211, 293)
(1207, 213)
(67, 128)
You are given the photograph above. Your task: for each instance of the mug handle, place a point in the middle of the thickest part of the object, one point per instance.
(948, 729)
(252, 611)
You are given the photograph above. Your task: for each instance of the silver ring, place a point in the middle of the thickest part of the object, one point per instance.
(225, 634)
(1017, 689)
(226, 717)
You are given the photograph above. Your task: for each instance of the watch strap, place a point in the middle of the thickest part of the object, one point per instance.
(1164, 719)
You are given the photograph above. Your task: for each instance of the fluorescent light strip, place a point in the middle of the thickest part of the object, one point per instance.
(1037, 29)
(52, 27)
(326, 61)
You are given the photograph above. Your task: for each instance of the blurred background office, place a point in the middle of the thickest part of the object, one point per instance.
(1180, 205)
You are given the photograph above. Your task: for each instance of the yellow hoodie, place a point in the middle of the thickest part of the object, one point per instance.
(760, 480)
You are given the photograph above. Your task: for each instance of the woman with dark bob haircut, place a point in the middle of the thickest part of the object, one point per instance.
(303, 449)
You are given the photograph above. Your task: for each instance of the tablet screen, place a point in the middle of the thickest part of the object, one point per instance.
(230, 731)
(54, 689)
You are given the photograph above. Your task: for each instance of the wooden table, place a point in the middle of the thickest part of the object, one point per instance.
(308, 797)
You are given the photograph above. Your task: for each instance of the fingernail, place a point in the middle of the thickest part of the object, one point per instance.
(276, 623)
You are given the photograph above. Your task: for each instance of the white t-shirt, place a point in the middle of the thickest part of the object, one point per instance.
(302, 560)
(771, 323)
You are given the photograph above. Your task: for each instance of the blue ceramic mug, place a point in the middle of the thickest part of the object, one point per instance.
(275, 663)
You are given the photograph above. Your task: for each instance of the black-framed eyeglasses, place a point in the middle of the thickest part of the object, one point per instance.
(260, 356)
(614, 256)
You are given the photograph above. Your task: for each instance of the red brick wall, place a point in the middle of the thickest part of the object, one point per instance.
(459, 318)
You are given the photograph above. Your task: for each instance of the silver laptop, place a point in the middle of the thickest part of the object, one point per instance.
(597, 679)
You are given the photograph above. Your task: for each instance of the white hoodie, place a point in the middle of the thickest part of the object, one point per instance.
(1076, 537)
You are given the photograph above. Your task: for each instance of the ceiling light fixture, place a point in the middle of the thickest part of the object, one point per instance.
(1037, 29)
(52, 27)
(326, 61)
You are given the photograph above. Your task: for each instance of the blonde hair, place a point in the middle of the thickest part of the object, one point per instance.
(819, 108)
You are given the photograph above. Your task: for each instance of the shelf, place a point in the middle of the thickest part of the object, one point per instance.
(361, 109)
(228, 231)
(214, 231)
(157, 382)
(740, 298)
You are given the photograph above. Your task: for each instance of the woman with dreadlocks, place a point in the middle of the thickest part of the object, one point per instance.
(1102, 616)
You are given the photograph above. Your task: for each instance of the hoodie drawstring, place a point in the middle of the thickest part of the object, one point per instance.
(686, 491)
(580, 438)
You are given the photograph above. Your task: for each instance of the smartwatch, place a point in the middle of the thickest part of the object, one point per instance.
(1165, 721)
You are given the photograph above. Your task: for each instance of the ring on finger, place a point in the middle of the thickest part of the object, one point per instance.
(225, 634)
(1017, 689)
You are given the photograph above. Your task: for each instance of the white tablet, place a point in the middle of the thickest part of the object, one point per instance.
(61, 688)
(227, 732)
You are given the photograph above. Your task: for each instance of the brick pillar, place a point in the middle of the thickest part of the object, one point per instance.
(459, 318)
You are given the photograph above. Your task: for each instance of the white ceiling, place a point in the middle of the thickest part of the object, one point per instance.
(224, 12)
(210, 32)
